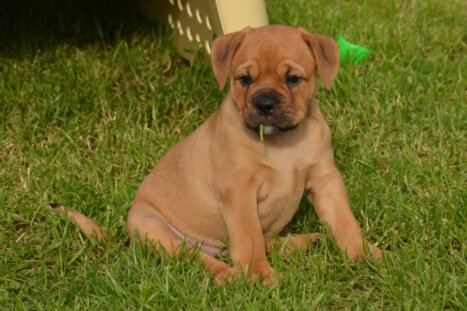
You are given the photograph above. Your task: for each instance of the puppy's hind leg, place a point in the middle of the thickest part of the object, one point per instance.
(151, 228)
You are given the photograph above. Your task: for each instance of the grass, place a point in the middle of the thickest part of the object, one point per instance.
(92, 95)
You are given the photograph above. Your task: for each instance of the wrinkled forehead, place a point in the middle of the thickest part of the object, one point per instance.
(270, 46)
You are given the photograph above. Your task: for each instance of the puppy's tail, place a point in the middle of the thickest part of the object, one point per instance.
(86, 224)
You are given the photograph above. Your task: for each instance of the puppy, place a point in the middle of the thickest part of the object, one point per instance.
(225, 188)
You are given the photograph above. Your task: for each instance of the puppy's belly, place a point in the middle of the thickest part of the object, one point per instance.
(277, 211)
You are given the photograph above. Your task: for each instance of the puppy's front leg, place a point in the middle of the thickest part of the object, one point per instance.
(328, 194)
(247, 244)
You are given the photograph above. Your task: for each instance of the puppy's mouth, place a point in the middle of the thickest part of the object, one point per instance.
(270, 125)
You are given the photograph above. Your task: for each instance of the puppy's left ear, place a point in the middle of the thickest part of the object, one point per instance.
(326, 53)
(223, 49)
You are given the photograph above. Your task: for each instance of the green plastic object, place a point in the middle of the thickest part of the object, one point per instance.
(351, 53)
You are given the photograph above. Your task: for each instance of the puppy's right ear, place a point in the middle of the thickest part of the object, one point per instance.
(223, 49)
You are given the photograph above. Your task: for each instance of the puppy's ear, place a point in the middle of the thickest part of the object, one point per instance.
(326, 53)
(223, 49)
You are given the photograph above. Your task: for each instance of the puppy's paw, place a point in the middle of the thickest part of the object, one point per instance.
(225, 275)
(263, 273)
(289, 244)
(357, 253)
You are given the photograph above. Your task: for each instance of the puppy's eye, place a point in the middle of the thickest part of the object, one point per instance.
(245, 80)
(293, 80)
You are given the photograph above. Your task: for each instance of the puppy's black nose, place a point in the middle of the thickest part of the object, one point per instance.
(265, 105)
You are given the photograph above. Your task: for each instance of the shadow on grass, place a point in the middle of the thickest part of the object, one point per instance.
(29, 26)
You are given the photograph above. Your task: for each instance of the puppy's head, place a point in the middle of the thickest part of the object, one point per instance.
(273, 73)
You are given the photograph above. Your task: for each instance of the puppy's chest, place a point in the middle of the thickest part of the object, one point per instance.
(279, 198)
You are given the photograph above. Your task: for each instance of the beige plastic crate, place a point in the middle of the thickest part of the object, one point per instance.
(197, 22)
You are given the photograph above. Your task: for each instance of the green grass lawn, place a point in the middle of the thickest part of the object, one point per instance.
(92, 95)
